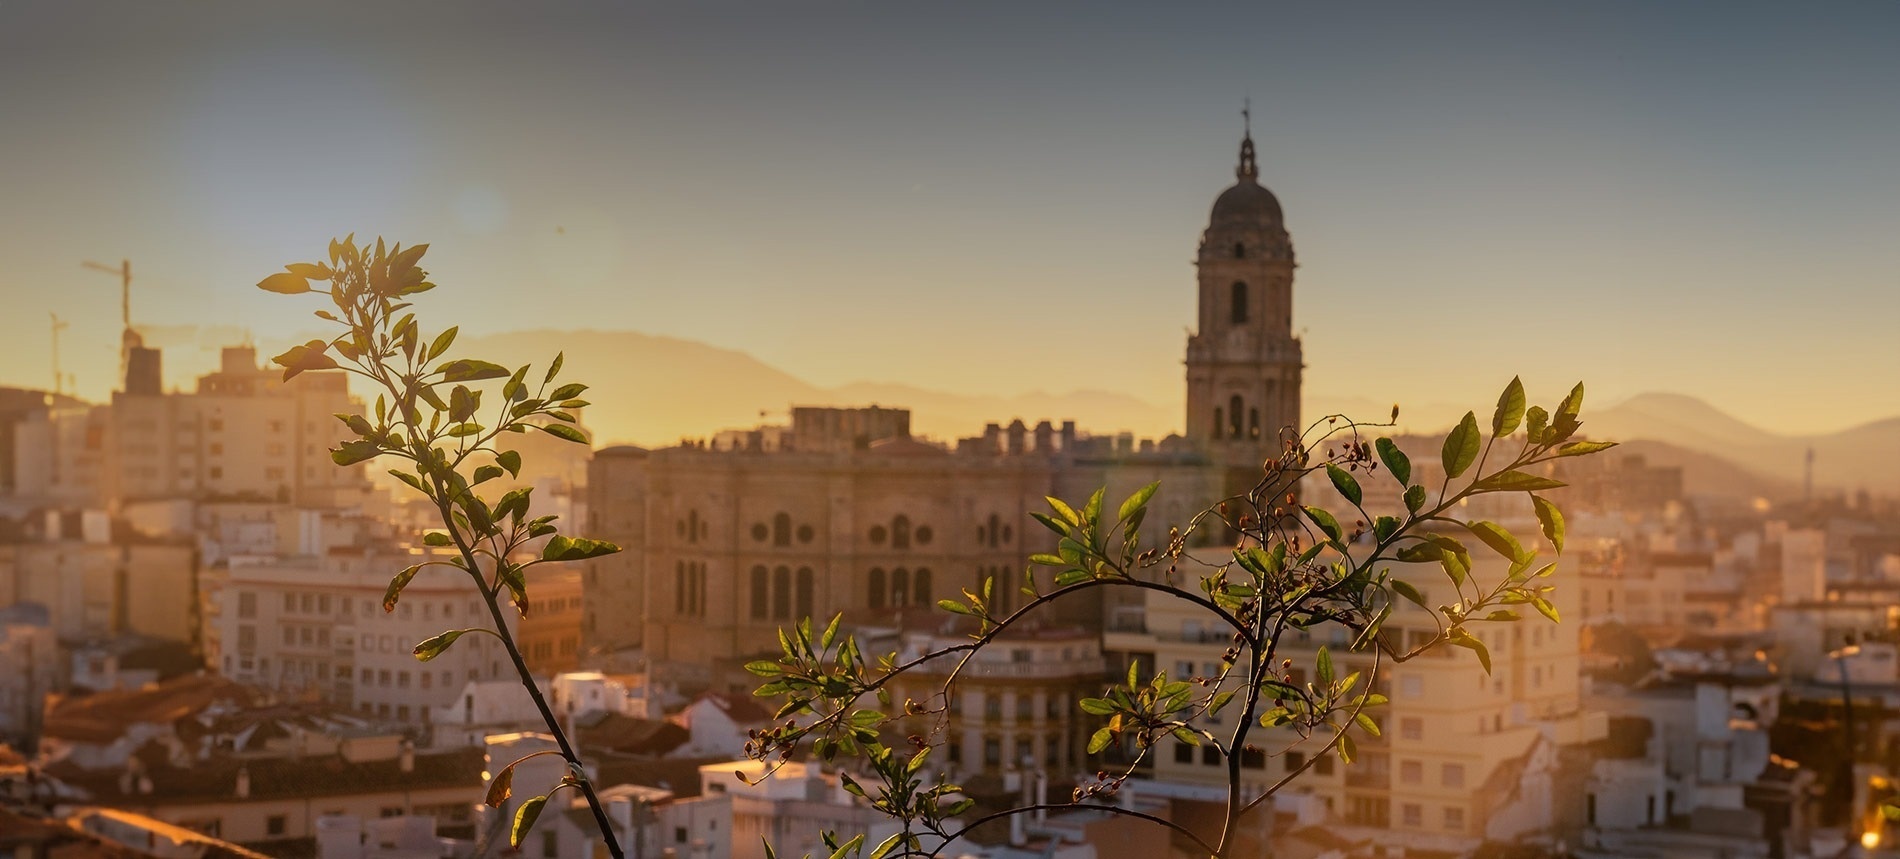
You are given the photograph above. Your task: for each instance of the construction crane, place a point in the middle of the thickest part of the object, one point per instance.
(127, 339)
(124, 271)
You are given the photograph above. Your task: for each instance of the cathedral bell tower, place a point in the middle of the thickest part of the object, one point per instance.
(1244, 364)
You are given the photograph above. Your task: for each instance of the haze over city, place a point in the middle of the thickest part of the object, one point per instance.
(991, 200)
(581, 430)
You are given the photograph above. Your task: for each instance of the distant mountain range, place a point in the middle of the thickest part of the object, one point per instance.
(654, 390)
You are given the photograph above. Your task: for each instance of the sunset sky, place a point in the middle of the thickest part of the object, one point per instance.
(992, 198)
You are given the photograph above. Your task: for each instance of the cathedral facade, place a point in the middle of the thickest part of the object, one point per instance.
(844, 512)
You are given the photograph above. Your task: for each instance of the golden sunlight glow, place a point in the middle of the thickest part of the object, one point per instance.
(1870, 839)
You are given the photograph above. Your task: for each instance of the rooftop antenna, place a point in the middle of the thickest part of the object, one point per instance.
(58, 379)
(1807, 486)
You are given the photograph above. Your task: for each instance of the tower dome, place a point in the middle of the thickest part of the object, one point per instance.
(1247, 205)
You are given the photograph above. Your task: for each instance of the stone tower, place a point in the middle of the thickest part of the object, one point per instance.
(1243, 365)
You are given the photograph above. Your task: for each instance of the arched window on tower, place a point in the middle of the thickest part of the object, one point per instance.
(1253, 423)
(900, 587)
(804, 592)
(1239, 303)
(782, 594)
(900, 532)
(782, 529)
(876, 594)
(1219, 418)
(1240, 250)
(920, 587)
(1235, 408)
(761, 593)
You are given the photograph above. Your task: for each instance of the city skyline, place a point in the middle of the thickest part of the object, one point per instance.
(749, 183)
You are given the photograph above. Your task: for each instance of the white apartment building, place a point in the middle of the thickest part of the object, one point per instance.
(243, 433)
(1463, 755)
(316, 625)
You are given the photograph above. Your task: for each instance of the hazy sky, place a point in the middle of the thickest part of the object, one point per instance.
(1701, 198)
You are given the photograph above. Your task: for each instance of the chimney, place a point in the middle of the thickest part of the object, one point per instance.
(1068, 436)
(992, 439)
(1018, 433)
(1045, 438)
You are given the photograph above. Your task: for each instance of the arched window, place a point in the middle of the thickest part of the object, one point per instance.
(1240, 250)
(1253, 423)
(679, 587)
(877, 587)
(782, 593)
(804, 592)
(1234, 409)
(760, 593)
(1239, 302)
(900, 532)
(1219, 418)
(900, 587)
(996, 529)
(782, 529)
(920, 586)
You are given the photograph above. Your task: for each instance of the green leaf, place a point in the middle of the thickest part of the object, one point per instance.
(1510, 409)
(765, 668)
(486, 473)
(524, 819)
(1344, 482)
(563, 431)
(1461, 446)
(954, 607)
(1582, 448)
(471, 370)
(1063, 510)
(1366, 723)
(1414, 498)
(396, 584)
(1100, 740)
(442, 343)
(1092, 511)
(554, 368)
(888, 845)
(1552, 520)
(1544, 607)
(846, 848)
(1395, 460)
(1324, 520)
(1464, 639)
(1384, 527)
(284, 283)
(1323, 666)
(433, 647)
(567, 392)
(353, 452)
(1137, 501)
(564, 548)
(436, 538)
(1219, 700)
(1515, 481)
(1405, 589)
(1499, 539)
(1185, 735)
(510, 460)
(1097, 706)
(1536, 423)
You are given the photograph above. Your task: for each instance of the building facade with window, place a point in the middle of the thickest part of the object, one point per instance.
(316, 626)
(845, 512)
(243, 433)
